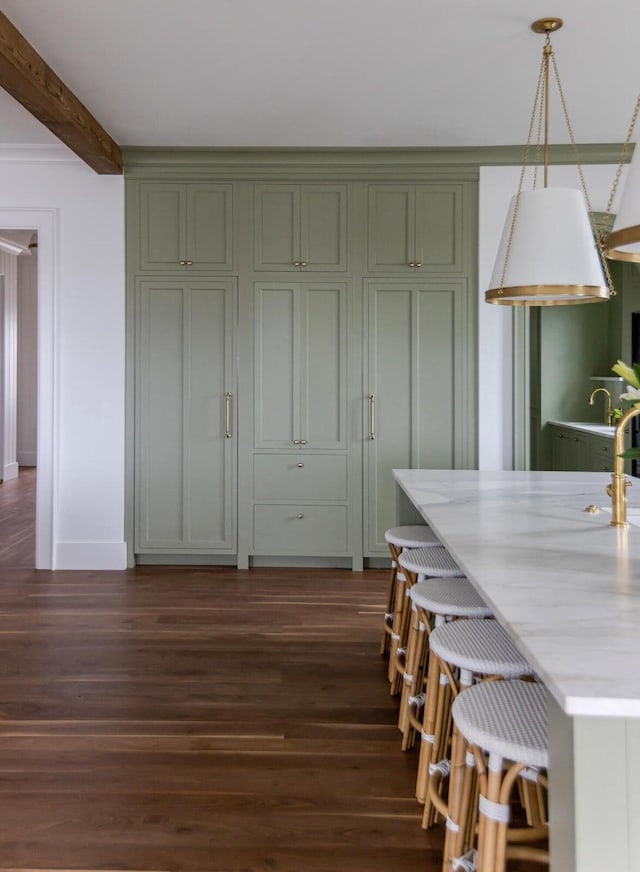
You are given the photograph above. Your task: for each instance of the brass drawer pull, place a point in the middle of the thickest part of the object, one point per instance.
(372, 416)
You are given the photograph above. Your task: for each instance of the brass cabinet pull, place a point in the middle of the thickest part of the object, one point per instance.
(297, 263)
(418, 264)
(189, 263)
(411, 263)
(227, 415)
(372, 416)
(300, 465)
(182, 262)
(296, 442)
(303, 442)
(303, 263)
(300, 517)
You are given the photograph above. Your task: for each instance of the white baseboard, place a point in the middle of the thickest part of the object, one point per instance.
(90, 555)
(28, 458)
(10, 471)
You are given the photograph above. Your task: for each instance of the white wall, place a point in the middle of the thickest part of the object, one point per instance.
(8, 366)
(495, 365)
(80, 219)
(27, 424)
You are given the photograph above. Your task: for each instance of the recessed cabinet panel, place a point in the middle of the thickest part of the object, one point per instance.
(324, 228)
(390, 378)
(277, 227)
(391, 228)
(162, 226)
(276, 375)
(185, 448)
(160, 466)
(300, 529)
(324, 367)
(300, 477)
(438, 228)
(210, 227)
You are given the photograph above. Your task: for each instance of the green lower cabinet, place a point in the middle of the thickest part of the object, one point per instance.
(418, 403)
(185, 500)
(575, 450)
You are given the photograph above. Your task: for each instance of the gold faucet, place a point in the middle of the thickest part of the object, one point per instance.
(617, 490)
(609, 412)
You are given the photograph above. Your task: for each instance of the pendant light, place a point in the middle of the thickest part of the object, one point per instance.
(549, 253)
(623, 243)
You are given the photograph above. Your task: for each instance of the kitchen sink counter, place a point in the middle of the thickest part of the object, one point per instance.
(587, 427)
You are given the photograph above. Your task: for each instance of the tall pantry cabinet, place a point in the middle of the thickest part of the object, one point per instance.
(294, 333)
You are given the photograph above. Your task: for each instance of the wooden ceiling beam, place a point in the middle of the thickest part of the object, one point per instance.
(30, 80)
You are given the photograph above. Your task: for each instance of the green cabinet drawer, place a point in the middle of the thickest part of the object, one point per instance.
(300, 529)
(299, 476)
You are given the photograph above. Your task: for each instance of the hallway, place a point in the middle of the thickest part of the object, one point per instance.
(18, 520)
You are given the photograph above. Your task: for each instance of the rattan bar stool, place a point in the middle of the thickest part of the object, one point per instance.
(400, 539)
(461, 654)
(434, 601)
(415, 565)
(505, 724)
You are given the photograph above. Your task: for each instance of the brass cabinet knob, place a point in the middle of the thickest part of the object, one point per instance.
(303, 442)
(300, 465)
(303, 263)
(297, 263)
(296, 442)
(182, 262)
(418, 264)
(300, 517)
(189, 263)
(411, 263)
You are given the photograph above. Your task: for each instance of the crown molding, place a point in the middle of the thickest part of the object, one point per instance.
(345, 162)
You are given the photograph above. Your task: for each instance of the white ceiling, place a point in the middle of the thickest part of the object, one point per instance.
(336, 73)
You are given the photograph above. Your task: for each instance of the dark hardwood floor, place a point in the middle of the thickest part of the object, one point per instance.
(198, 720)
(17, 520)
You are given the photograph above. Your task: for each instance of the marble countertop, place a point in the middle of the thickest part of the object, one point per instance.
(563, 582)
(586, 427)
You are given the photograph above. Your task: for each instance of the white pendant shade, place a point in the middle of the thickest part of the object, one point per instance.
(623, 243)
(551, 252)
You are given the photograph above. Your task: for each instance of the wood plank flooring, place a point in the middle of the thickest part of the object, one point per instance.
(17, 520)
(198, 720)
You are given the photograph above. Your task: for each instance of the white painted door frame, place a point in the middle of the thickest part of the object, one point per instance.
(45, 222)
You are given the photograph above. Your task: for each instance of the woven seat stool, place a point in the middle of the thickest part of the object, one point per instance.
(415, 565)
(461, 653)
(505, 725)
(400, 539)
(433, 601)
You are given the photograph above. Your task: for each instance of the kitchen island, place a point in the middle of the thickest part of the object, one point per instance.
(566, 586)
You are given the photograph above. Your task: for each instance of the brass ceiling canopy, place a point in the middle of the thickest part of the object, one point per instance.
(547, 25)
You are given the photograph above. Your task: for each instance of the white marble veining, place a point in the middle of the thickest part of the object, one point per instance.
(564, 583)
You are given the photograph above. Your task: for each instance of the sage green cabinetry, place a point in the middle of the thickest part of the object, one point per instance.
(185, 387)
(300, 365)
(419, 402)
(186, 226)
(415, 228)
(300, 228)
(301, 493)
(576, 450)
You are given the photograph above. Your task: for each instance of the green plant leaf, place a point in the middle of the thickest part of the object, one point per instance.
(630, 454)
(628, 373)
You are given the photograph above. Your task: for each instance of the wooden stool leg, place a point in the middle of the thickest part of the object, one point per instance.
(408, 676)
(385, 642)
(488, 854)
(399, 605)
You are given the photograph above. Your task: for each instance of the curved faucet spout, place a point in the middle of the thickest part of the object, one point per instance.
(617, 490)
(608, 415)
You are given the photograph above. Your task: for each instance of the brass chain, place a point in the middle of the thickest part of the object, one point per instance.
(594, 229)
(623, 157)
(537, 99)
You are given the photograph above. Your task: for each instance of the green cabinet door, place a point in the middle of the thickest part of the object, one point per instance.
(186, 227)
(418, 402)
(300, 228)
(300, 333)
(185, 419)
(415, 228)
